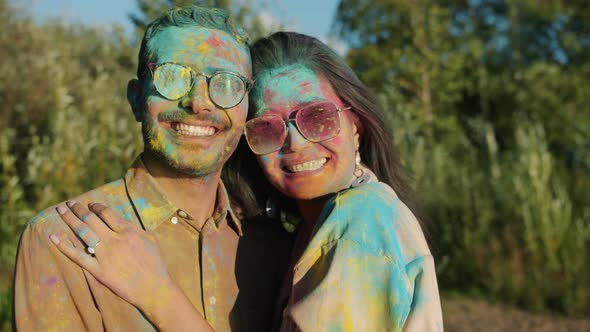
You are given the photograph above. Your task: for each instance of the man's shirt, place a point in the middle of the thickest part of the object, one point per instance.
(230, 271)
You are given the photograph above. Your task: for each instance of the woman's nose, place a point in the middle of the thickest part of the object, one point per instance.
(294, 141)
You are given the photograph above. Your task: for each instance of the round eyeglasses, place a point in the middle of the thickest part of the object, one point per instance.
(316, 122)
(174, 81)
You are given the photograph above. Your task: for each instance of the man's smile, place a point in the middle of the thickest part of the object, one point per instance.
(193, 130)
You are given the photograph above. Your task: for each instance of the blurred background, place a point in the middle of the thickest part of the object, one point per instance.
(490, 101)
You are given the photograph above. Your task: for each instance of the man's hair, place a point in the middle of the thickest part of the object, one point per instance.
(376, 140)
(192, 16)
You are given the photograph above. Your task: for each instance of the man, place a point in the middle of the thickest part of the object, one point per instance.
(191, 99)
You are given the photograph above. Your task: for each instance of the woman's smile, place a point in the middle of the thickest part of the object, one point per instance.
(307, 166)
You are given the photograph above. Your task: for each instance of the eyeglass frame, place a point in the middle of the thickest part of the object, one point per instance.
(294, 120)
(248, 83)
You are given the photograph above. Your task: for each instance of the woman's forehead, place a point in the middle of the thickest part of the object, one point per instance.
(288, 87)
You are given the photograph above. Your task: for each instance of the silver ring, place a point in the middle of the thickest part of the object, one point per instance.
(92, 250)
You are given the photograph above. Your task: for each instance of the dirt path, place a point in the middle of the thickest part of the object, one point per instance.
(479, 316)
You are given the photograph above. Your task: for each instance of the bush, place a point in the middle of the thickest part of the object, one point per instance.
(503, 223)
(66, 125)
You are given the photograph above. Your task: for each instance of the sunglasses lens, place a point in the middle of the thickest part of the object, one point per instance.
(172, 81)
(226, 89)
(265, 134)
(318, 122)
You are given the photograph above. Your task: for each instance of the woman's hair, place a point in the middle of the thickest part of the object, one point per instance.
(245, 179)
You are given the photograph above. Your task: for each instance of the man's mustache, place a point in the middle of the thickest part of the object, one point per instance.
(180, 116)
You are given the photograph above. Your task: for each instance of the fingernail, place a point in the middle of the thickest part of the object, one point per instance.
(61, 209)
(54, 239)
(91, 204)
(70, 203)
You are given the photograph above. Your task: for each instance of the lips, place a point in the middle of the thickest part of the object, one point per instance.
(310, 165)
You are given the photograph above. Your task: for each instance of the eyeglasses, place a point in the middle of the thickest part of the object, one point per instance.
(316, 122)
(174, 81)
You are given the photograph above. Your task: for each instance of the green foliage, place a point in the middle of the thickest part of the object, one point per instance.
(492, 116)
(65, 126)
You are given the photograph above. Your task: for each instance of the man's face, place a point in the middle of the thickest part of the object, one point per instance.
(192, 135)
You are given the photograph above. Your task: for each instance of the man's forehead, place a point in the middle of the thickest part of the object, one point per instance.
(201, 47)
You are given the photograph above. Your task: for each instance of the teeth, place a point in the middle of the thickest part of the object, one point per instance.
(189, 130)
(307, 166)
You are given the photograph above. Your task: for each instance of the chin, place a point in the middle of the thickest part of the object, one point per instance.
(306, 193)
(191, 167)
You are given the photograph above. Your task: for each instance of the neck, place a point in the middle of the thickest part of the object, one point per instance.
(310, 211)
(195, 195)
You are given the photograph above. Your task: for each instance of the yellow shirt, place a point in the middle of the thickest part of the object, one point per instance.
(230, 271)
(367, 268)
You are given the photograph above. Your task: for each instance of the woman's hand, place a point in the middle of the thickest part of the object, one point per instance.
(119, 254)
(127, 260)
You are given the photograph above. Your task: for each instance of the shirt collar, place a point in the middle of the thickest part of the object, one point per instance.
(153, 207)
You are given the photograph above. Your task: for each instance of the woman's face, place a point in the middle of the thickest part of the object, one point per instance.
(302, 169)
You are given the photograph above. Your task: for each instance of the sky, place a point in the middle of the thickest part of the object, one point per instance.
(313, 17)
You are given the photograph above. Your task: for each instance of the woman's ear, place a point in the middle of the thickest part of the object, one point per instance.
(134, 97)
(357, 128)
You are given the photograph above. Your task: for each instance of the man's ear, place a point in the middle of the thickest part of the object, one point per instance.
(134, 98)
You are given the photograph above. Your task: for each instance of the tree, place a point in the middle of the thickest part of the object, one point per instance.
(474, 60)
(489, 102)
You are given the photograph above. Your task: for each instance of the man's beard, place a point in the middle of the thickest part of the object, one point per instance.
(186, 158)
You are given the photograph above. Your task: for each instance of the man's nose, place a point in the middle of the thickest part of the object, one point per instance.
(294, 141)
(197, 99)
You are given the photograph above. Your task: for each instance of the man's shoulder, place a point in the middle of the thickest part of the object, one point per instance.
(112, 194)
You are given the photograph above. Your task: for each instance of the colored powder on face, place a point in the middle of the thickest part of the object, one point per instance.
(285, 85)
(265, 158)
(204, 47)
(214, 41)
(305, 87)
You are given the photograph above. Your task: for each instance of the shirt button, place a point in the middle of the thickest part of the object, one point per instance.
(212, 300)
(174, 220)
(182, 214)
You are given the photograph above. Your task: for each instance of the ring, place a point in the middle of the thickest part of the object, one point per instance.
(92, 250)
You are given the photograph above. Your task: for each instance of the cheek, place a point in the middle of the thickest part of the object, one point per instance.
(342, 146)
(269, 164)
(154, 105)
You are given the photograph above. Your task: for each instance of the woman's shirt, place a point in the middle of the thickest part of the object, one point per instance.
(366, 268)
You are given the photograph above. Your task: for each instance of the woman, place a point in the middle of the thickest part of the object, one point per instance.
(360, 260)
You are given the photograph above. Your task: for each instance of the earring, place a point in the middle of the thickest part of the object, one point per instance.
(289, 221)
(359, 172)
(271, 209)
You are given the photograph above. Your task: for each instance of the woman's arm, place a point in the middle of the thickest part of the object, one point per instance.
(127, 260)
(425, 312)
